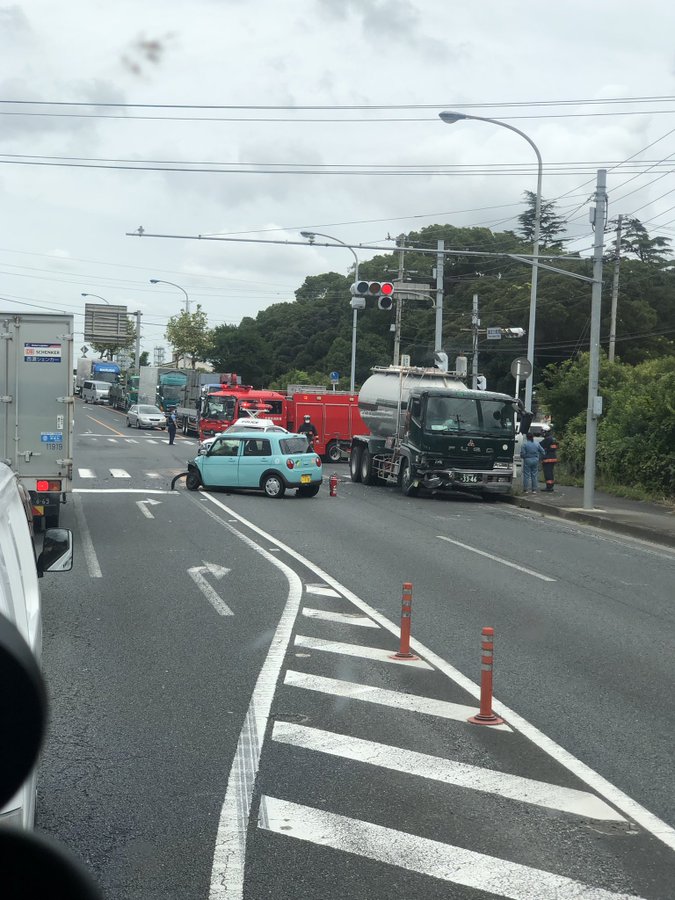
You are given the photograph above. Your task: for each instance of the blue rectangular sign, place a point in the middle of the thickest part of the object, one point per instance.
(55, 437)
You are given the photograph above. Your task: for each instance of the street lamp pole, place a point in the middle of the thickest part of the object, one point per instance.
(173, 284)
(97, 297)
(450, 118)
(310, 235)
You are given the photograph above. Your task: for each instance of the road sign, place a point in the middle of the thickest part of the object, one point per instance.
(84, 349)
(494, 334)
(334, 377)
(521, 367)
(408, 290)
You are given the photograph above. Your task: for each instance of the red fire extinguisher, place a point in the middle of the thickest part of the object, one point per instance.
(332, 485)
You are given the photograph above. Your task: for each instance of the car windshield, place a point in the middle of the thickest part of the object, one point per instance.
(149, 411)
(466, 414)
(292, 445)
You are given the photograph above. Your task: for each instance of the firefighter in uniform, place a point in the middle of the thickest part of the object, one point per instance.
(308, 428)
(550, 445)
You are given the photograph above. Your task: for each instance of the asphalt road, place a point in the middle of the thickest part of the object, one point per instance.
(279, 750)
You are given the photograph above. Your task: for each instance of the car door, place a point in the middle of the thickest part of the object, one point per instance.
(131, 415)
(255, 459)
(220, 466)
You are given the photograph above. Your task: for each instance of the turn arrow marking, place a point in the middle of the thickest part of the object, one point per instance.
(143, 506)
(198, 575)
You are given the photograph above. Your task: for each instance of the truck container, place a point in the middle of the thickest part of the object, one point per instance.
(95, 370)
(36, 407)
(335, 414)
(427, 429)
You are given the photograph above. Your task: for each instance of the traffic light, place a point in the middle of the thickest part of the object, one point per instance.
(386, 298)
(383, 290)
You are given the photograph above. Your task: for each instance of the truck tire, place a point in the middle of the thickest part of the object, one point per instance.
(333, 453)
(408, 488)
(355, 462)
(192, 480)
(367, 474)
(185, 425)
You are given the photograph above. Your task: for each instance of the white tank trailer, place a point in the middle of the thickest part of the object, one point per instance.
(428, 430)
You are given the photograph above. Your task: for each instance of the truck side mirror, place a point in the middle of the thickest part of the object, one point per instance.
(57, 551)
(525, 422)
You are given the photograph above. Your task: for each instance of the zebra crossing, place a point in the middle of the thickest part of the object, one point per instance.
(373, 768)
(88, 474)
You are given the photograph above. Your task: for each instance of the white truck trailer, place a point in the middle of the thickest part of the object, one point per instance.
(36, 407)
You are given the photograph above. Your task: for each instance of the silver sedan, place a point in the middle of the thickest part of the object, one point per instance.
(145, 417)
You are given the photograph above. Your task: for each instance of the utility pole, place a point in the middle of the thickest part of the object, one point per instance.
(615, 289)
(438, 335)
(400, 242)
(138, 315)
(475, 325)
(594, 409)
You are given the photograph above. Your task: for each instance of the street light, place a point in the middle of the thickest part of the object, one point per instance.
(310, 235)
(450, 118)
(97, 297)
(173, 284)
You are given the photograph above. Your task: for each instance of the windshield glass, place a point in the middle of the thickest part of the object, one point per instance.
(465, 414)
(149, 410)
(293, 445)
(219, 408)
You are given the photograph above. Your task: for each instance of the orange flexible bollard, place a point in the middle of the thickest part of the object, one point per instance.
(486, 716)
(406, 621)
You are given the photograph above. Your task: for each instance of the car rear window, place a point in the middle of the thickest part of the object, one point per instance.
(293, 445)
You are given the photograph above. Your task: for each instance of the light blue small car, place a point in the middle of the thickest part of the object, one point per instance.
(260, 461)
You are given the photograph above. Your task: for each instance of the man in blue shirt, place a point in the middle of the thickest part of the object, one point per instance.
(531, 453)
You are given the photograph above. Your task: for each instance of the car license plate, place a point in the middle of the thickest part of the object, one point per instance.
(305, 479)
(469, 479)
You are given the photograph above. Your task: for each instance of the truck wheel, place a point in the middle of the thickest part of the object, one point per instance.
(333, 453)
(367, 474)
(355, 462)
(185, 426)
(192, 480)
(273, 486)
(406, 479)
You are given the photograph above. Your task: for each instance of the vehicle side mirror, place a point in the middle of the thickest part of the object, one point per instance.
(525, 422)
(57, 551)
(203, 451)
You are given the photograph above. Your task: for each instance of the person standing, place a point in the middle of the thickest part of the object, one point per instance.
(550, 445)
(308, 428)
(530, 453)
(171, 425)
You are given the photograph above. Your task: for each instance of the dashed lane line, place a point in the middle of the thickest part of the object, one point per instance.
(499, 877)
(499, 559)
(357, 650)
(447, 771)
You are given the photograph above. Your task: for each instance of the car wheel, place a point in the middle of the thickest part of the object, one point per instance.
(193, 480)
(273, 486)
(308, 490)
(367, 474)
(138, 424)
(355, 463)
(128, 423)
(333, 453)
(406, 480)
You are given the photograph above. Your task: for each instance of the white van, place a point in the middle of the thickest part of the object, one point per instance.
(95, 392)
(20, 602)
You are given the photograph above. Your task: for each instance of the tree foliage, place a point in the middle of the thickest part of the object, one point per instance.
(551, 225)
(189, 335)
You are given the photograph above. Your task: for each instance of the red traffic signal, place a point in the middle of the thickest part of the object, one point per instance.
(372, 289)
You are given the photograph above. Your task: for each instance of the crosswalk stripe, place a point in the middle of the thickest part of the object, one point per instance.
(396, 699)
(356, 650)
(130, 440)
(344, 618)
(151, 441)
(424, 856)
(113, 440)
(153, 475)
(475, 778)
(119, 473)
(86, 473)
(321, 589)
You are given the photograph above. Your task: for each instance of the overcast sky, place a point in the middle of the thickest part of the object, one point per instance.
(304, 85)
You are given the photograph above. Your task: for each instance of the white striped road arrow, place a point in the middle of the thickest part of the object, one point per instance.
(143, 506)
(198, 575)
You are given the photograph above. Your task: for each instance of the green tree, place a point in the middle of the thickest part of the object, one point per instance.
(551, 225)
(635, 240)
(189, 335)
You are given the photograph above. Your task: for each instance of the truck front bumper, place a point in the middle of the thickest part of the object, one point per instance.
(497, 481)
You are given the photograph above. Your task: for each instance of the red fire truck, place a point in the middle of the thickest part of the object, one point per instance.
(219, 409)
(335, 414)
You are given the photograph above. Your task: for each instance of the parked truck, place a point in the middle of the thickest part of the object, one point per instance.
(124, 394)
(335, 414)
(95, 370)
(36, 407)
(428, 430)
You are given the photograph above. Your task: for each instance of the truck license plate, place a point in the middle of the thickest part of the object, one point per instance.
(305, 479)
(469, 479)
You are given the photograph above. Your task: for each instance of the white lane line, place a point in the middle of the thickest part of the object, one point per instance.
(153, 475)
(112, 440)
(447, 771)
(86, 473)
(321, 589)
(499, 877)
(396, 699)
(88, 550)
(130, 440)
(119, 473)
(227, 873)
(355, 650)
(631, 808)
(124, 491)
(344, 618)
(498, 559)
(150, 441)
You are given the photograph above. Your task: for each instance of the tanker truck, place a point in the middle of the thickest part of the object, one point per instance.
(428, 430)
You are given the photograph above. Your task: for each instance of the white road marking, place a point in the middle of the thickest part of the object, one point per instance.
(151, 441)
(119, 473)
(88, 550)
(355, 650)
(475, 778)
(130, 440)
(143, 506)
(86, 473)
(343, 618)
(499, 877)
(397, 699)
(227, 873)
(321, 589)
(504, 562)
(153, 475)
(198, 573)
(124, 491)
(112, 440)
(631, 808)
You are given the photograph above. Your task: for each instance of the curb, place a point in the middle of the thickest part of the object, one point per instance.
(588, 518)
